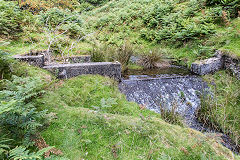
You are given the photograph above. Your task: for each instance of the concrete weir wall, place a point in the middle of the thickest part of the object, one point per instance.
(232, 65)
(37, 60)
(79, 65)
(64, 71)
(207, 66)
(76, 59)
(219, 62)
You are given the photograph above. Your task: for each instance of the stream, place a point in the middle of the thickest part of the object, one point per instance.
(174, 88)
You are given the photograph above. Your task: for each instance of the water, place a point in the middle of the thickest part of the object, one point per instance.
(172, 87)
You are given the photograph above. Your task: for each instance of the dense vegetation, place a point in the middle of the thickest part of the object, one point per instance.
(86, 117)
(20, 119)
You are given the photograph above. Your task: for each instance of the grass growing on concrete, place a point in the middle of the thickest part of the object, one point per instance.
(223, 110)
(94, 121)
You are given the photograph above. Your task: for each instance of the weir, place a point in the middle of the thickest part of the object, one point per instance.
(180, 93)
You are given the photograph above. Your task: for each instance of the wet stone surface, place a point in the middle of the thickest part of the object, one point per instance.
(181, 91)
(170, 90)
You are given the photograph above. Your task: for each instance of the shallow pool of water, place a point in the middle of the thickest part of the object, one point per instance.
(133, 74)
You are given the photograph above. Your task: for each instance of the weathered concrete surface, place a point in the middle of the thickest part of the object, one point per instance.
(220, 61)
(232, 64)
(207, 66)
(37, 60)
(75, 59)
(64, 71)
(80, 59)
(174, 93)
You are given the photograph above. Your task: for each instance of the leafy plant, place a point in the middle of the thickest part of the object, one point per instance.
(11, 18)
(35, 6)
(4, 146)
(232, 6)
(21, 153)
(106, 103)
(22, 119)
(5, 68)
(18, 153)
(63, 20)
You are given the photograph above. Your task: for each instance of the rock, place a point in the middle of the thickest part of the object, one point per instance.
(134, 59)
(207, 66)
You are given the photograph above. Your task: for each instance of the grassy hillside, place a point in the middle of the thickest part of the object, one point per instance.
(186, 30)
(118, 129)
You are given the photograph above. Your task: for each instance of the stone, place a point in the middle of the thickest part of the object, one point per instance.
(207, 66)
(37, 60)
(64, 71)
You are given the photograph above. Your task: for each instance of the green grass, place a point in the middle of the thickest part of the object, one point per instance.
(121, 22)
(223, 112)
(119, 131)
(39, 42)
(227, 38)
(125, 22)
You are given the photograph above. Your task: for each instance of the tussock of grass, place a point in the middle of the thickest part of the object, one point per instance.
(121, 131)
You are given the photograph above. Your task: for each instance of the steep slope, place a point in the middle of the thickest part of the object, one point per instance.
(187, 30)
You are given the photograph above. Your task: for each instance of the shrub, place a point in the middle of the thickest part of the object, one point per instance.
(232, 6)
(35, 6)
(5, 68)
(11, 18)
(62, 20)
(23, 120)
